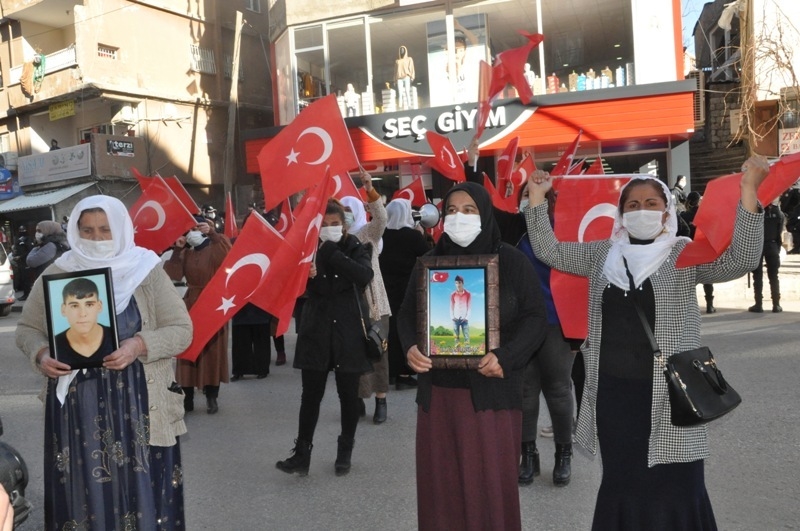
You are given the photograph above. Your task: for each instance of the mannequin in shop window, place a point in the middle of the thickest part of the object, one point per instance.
(404, 75)
(351, 99)
(530, 76)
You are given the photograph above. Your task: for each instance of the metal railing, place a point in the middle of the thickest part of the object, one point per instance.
(53, 62)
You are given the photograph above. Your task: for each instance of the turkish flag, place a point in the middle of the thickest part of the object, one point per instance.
(507, 204)
(716, 215)
(509, 67)
(286, 218)
(414, 192)
(159, 218)
(345, 187)
(180, 192)
(519, 176)
(596, 168)
(231, 230)
(445, 158)
(584, 212)
(278, 296)
(564, 164)
(250, 263)
(440, 276)
(297, 158)
(505, 166)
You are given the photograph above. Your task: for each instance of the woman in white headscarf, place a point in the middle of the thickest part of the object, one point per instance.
(653, 474)
(376, 382)
(112, 458)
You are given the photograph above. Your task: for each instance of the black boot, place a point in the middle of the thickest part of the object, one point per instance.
(756, 308)
(380, 411)
(562, 470)
(529, 464)
(300, 459)
(776, 306)
(710, 305)
(211, 405)
(188, 399)
(343, 454)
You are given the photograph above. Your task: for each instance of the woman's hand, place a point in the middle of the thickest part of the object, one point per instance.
(366, 180)
(473, 152)
(204, 228)
(418, 361)
(539, 183)
(490, 367)
(312, 271)
(51, 367)
(180, 243)
(754, 171)
(129, 349)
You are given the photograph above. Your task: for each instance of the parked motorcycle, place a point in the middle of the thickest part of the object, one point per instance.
(14, 478)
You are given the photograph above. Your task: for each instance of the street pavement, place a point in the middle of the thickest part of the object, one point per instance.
(229, 458)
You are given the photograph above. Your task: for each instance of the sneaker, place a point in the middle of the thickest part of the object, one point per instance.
(547, 432)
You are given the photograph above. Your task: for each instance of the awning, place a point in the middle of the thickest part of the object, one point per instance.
(42, 199)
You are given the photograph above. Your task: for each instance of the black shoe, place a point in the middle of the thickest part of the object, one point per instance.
(236, 377)
(562, 472)
(529, 466)
(343, 455)
(405, 382)
(710, 309)
(756, 308)
(211, 403)
(188, 403)
(776, 308)
(262, 376)
(380, 411)
(300, 460)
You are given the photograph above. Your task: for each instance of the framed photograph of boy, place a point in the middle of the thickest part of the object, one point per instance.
(458, 318)
(81, 317)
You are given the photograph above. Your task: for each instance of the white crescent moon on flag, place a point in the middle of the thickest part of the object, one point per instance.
(283, 223)
(327, 143)
(603, 210)
(338, 181)
(502, 157)
(257, 259)
(452, 163)
(524, 173)
(410, 195)
(315, 223)
(162, 216)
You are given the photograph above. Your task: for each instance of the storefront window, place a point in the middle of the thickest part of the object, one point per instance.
(349, 68)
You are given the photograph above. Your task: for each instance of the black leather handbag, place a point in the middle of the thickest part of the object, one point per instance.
(698, 393)
(374, 337)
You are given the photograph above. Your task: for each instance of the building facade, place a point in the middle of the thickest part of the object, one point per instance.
(126, 84)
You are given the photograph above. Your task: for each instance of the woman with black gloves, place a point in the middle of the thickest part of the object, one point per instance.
(331, 338)
(469, 421)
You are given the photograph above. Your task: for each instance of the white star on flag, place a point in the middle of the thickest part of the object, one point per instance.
(292, 157)
(227, 304)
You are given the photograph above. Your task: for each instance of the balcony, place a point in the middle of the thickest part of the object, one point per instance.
(53, 62)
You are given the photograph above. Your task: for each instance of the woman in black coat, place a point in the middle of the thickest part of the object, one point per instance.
(331, 337)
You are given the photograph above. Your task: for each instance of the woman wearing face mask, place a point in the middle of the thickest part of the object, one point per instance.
(331, 338)
(469, 421)
(51, 242)
(112, 458)
(197, 257)
(652, 471)
(371, 232)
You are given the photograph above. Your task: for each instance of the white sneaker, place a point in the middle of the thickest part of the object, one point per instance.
(547, 432)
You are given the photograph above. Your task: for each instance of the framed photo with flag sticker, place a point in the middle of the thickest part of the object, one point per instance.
(458, 319)
(81, 321)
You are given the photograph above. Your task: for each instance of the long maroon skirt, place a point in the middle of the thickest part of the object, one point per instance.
(467, 464)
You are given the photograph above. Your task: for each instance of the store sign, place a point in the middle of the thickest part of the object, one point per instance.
(58, 165)
(789, 141)
(405, 131)
(119, 148)
(63, 109)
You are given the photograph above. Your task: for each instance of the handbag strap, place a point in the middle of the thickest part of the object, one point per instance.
(360, 312)
(653, 344)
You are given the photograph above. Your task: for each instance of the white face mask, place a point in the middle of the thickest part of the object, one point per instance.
(39, 236)
(195, 238)
(462, 228)
(349, 218)
(332, 233)
(643, 224)
(523, 204)
(97, 249)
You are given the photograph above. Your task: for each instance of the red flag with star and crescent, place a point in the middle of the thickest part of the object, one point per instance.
(277, 297)
(414, 192)
(345, 187)
(584, 212)
(505, 167)
(285, 219)
(507, 203)
(297, 158)
(248, 265)
(181, 193)
(564, 163)
(159, 217)
(596, 168)
(509, 67)
(519, 176)
(445, 159)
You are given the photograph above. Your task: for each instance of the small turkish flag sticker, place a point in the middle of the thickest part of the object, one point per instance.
(440, 276)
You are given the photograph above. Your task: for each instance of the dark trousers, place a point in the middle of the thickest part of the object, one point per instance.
(772, 257)
(314, 390)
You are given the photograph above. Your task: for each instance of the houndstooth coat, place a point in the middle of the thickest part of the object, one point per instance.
(677, 326)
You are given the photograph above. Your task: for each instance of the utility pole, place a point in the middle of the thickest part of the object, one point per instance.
(232, 106)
